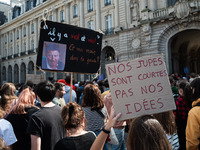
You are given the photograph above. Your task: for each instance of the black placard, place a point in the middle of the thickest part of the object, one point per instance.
(67, 48)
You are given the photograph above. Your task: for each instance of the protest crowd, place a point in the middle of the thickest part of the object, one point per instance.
(42, 117)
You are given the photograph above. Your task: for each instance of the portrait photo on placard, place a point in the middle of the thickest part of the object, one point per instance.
(53, 56)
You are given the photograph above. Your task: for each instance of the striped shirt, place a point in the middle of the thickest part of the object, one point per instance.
(173, 140)
(94, 121)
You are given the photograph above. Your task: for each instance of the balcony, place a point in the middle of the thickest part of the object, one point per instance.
(107, 3)
(90, 9)
(75, 15)
(16, 55)
(31, 51)
(3, 58)
(10, 57)
(23, 53)
(109, 31)
(169, 12)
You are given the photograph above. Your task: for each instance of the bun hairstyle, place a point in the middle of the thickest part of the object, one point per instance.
(72, 115)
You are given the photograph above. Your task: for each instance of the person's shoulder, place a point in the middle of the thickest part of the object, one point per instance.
(5, 123)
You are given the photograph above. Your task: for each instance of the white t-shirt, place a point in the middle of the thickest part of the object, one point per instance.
(6, 132)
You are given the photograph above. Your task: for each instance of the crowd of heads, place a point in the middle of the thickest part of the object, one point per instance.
(148, 129)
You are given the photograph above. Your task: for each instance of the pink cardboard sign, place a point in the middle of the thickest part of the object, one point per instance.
(140, 87)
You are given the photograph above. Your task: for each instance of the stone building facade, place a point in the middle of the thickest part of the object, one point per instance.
(132, 28)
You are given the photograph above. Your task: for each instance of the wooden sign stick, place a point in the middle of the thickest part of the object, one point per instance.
(70, 98)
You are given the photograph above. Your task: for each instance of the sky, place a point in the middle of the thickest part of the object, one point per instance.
(5, 1)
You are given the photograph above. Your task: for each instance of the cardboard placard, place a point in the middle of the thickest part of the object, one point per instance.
(66, 48)
(35, 78)
(140, 87)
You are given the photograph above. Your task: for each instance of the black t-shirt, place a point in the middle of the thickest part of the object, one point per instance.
(20, 124)
(46, 123)
(82, 142)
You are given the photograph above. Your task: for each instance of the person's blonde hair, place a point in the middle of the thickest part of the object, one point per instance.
(146, 133)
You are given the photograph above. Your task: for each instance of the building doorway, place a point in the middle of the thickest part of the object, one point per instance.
(184, 51)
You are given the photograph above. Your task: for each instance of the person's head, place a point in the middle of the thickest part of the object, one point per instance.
(181, 86)
(26, 99)
(195, 86)
(7, 93)
(60, 89)
(167, 120)
(67, 79)
(62, 81)
(92, 97)
(105, 83)
(45, 91)
(146, 133)
(73, 116)
(172, 81)
(53, 56)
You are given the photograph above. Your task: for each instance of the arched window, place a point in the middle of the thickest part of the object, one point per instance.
(110, 55)
(23, 73)
(16, 74)
(9, 74)
(30, 68)
(4, 74)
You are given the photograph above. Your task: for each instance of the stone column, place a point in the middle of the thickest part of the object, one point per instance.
(67, 12)
(14, 46)
(98, 14)
(143, 4)
(152, 5)
(7, 51)
(20, 40)
(27, 38)
(81, 12)
(36, 34)
(116, 13)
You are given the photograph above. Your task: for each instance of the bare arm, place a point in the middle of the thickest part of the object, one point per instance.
(101, 138)
(35, 142)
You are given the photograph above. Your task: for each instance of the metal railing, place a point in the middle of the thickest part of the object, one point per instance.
(3, 58)
(23, 53)
(109, 31)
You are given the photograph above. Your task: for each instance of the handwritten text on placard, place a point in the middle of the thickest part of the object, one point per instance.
(140, 86)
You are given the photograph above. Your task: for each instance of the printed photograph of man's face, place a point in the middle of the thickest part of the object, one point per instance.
(53, 57)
